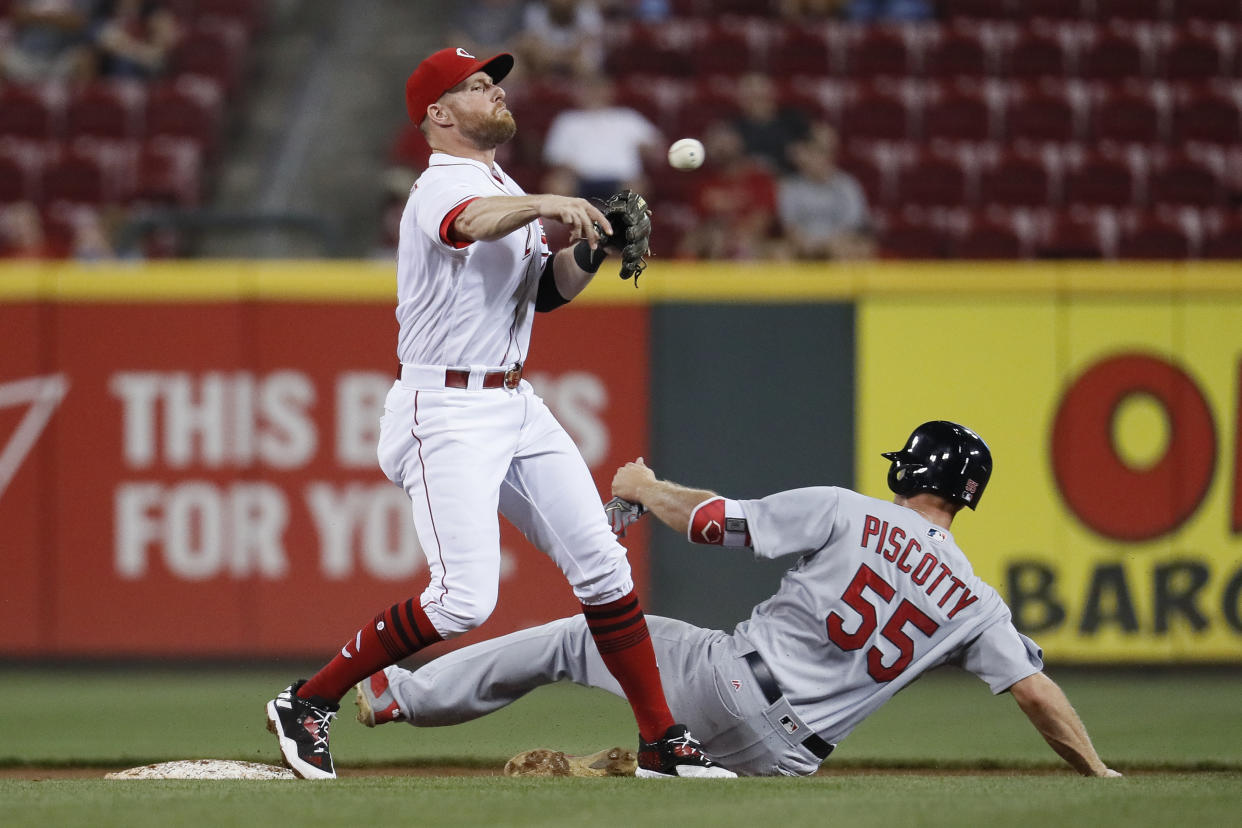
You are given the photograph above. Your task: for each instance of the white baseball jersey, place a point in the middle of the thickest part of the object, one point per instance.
(464, 304)
(880, 596)
(462, 453)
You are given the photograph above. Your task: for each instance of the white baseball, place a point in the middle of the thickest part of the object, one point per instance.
(686, 154)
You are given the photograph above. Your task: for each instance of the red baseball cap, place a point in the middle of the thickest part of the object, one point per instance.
(442, 71)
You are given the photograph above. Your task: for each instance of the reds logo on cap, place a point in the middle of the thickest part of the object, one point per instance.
(442, 71)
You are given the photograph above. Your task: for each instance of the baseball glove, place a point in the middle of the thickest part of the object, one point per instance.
(621, 513)
(630, 218)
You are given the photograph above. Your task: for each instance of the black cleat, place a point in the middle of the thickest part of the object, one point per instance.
(301, 728)
(677, 753)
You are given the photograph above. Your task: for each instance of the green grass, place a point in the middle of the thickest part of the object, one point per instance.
(1178, 722)
(1171, 799)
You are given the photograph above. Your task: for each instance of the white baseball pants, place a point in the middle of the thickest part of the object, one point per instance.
(462, 455)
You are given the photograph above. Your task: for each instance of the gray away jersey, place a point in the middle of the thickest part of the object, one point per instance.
(880, 596)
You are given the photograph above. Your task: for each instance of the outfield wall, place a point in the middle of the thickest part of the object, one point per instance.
(187, 465)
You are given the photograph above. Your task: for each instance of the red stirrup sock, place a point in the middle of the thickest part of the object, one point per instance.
(397, 632)
(620, 633)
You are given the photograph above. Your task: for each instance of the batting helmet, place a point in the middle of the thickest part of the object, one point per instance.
(943, 458)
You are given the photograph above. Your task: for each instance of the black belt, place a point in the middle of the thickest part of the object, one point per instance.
(772, 692)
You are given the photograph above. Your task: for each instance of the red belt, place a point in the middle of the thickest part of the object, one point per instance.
(499, 378)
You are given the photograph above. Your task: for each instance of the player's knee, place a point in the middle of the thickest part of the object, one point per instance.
(611, 585)
(459, 612)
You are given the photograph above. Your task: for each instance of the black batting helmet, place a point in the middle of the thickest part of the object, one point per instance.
(943, 458)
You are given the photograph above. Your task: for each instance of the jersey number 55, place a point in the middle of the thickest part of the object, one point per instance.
(893, 630)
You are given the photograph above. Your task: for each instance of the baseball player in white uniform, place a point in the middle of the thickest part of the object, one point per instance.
(465, 435)
(880, 593)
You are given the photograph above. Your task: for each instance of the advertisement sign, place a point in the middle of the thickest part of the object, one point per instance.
(197, 476)
(1112, 521)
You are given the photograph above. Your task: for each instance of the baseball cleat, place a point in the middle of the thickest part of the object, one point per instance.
(677, 753)
(375, 701)
(615, 761)
(301, 729)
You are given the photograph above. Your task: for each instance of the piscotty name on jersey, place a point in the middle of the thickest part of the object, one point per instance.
(892, 543)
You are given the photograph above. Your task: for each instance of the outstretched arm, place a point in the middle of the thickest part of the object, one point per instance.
(671, 503)
(1050, 712)
(492, 217)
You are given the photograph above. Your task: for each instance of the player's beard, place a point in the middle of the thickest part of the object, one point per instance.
(489, 131)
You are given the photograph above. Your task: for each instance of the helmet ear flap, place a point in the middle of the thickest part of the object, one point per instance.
(901, 480)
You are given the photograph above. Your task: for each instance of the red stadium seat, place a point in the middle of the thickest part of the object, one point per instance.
(1017, 180)
(1182, 179)
(958, 52)
(724, 50)
(741, 8)
(933, 179)
(652, 49)
(28, 114)
(101, 110)
(1046, 112)
(903, 237)
(977, 9)
(798, 50)
(1152, 236)
(1100, 180)
(249, 13)
(1133, 9)
(1113, 55)
(989, 237)
(879, 51)
(712, 99)
(962, 114)
(216, 51)
(1037, 53)
(1224, 11)
(1130, 116)
(1206, 116)
(642, 94)
(14, 180)
(1053, 9)
(1073, 234)
(877, 113)
(75, 178)
(1222, 238)
(1195, 55)
(170, 172)
(184, 110)
(873, 175)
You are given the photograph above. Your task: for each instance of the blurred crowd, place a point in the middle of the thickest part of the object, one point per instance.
(108, 107)
(771, 187)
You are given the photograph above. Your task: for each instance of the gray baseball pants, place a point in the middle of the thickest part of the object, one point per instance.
(708, 685)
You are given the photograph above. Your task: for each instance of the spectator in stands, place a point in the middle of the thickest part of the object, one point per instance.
(562, 37)
(486, 26)
(22, 235)
(823, 210)
(134, 37)
(736, 202)
(600, 144)
(767, 129)
(49, 41)
(874, 11)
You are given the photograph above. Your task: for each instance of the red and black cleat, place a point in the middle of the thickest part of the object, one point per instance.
(677, 754)
(301, 729)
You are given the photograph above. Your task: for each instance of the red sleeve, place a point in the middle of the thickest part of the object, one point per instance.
(718, 522)
(447, 234)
